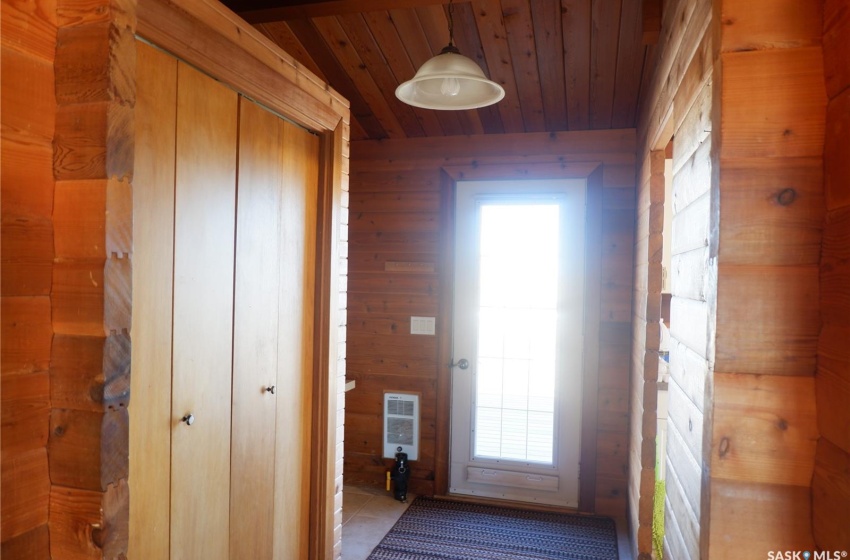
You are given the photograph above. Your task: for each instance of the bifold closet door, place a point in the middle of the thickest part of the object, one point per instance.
(256, 317)
(223, 301)
(153, 259)
(204, 218)
(299, 201)
(273, 325)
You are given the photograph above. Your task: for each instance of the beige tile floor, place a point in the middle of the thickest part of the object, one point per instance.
(369, 513)
(367, 516)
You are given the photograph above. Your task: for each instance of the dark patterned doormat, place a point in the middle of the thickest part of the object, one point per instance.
(441, 529)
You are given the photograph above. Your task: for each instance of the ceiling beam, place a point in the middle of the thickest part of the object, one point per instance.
(262, 11)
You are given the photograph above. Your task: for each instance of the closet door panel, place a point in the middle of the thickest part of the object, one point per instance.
(205, 209)
(153, 256)
(255, 351)
(295, 353)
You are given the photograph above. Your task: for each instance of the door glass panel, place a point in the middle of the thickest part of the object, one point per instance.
(518, 287)
(517, 339)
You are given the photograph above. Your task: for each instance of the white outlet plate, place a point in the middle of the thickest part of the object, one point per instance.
(423, 325)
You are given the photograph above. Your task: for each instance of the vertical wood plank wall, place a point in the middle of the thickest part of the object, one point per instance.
(831, 483)
(678, 105)
(771, 103)
(398, 215)
(26, 176)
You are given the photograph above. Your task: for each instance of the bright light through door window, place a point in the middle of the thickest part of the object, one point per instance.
(518, 281)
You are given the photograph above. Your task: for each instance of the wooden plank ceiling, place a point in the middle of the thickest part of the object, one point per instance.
(564, 64)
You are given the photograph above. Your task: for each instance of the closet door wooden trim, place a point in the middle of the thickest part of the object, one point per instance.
(215, 40)
(329, 360)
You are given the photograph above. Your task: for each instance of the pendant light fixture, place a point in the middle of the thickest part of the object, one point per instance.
(450, 81)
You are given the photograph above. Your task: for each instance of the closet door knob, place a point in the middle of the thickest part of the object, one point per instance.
(189, 419)
(270, 389)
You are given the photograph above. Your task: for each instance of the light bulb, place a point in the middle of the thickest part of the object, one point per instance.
(450, 87)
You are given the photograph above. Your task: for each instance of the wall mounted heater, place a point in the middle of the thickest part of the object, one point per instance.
(401, 425)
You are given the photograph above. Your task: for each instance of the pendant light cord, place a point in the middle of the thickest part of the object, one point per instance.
(451, 25)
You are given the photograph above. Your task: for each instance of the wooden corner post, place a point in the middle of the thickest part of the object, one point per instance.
(91, 295)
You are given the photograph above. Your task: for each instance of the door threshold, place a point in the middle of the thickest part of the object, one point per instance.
(529, 506)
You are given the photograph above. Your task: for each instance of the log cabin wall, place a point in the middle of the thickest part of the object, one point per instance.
(679, 106)
(28, 122)
(400, 212)
(747, 104)
(831, 483)
(770, 108)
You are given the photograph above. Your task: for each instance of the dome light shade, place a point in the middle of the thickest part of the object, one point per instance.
(450, 81)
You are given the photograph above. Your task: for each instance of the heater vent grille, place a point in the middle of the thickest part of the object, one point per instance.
(400, 431)
(401, 425)
(400, 407)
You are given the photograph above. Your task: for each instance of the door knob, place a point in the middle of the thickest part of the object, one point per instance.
(189, 419)
(270, 389)
(463, 363)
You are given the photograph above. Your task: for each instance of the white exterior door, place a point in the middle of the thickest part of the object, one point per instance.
(518, 316)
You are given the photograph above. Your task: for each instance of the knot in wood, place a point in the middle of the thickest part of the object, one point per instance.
(786, 197)
(724, 447)
(98, 536)
(96, 392)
